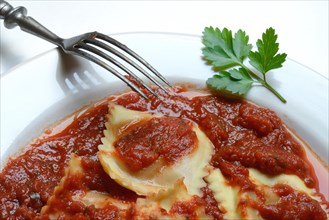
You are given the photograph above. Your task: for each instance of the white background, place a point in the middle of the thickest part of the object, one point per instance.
(302, 26)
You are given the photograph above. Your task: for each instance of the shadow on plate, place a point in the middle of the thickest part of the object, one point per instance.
(75, 74)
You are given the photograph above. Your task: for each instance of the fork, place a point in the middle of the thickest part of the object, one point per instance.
(92, 46)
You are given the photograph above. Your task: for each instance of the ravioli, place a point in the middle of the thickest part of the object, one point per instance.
(230, 197)
(165, 205)
(68, 192)
(164, 186)
(200, 157)
(158, 177)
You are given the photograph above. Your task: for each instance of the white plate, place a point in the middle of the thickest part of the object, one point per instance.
(37, 93)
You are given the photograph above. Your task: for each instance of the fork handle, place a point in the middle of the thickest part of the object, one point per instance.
(17, 17)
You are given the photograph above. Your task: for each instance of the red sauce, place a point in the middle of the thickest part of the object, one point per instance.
(211, 205)
(269, 160)
(28, 181)
(236, 174)
(188, 208)
(243, 135)
(165, 138)
(293, 205)
(92, 179)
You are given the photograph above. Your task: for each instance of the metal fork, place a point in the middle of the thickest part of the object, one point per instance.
(87, 46)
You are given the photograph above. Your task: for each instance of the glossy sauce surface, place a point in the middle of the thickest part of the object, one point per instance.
(165, 138)
(243, 134)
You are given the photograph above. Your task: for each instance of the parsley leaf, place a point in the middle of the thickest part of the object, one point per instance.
(266, 58)
(236, 81)
(222, 50)
(225, 52)
(240, 45)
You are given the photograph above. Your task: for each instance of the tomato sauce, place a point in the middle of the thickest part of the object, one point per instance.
(293, 205)
(167, 138)
(243, 134)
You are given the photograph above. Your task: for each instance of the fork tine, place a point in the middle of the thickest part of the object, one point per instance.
(132, 53)
(100, 53)
(122, 56)
(109, 68)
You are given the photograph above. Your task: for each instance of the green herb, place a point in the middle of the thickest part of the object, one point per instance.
(227, 55)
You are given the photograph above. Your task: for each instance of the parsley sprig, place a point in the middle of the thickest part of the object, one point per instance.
(227, 55)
